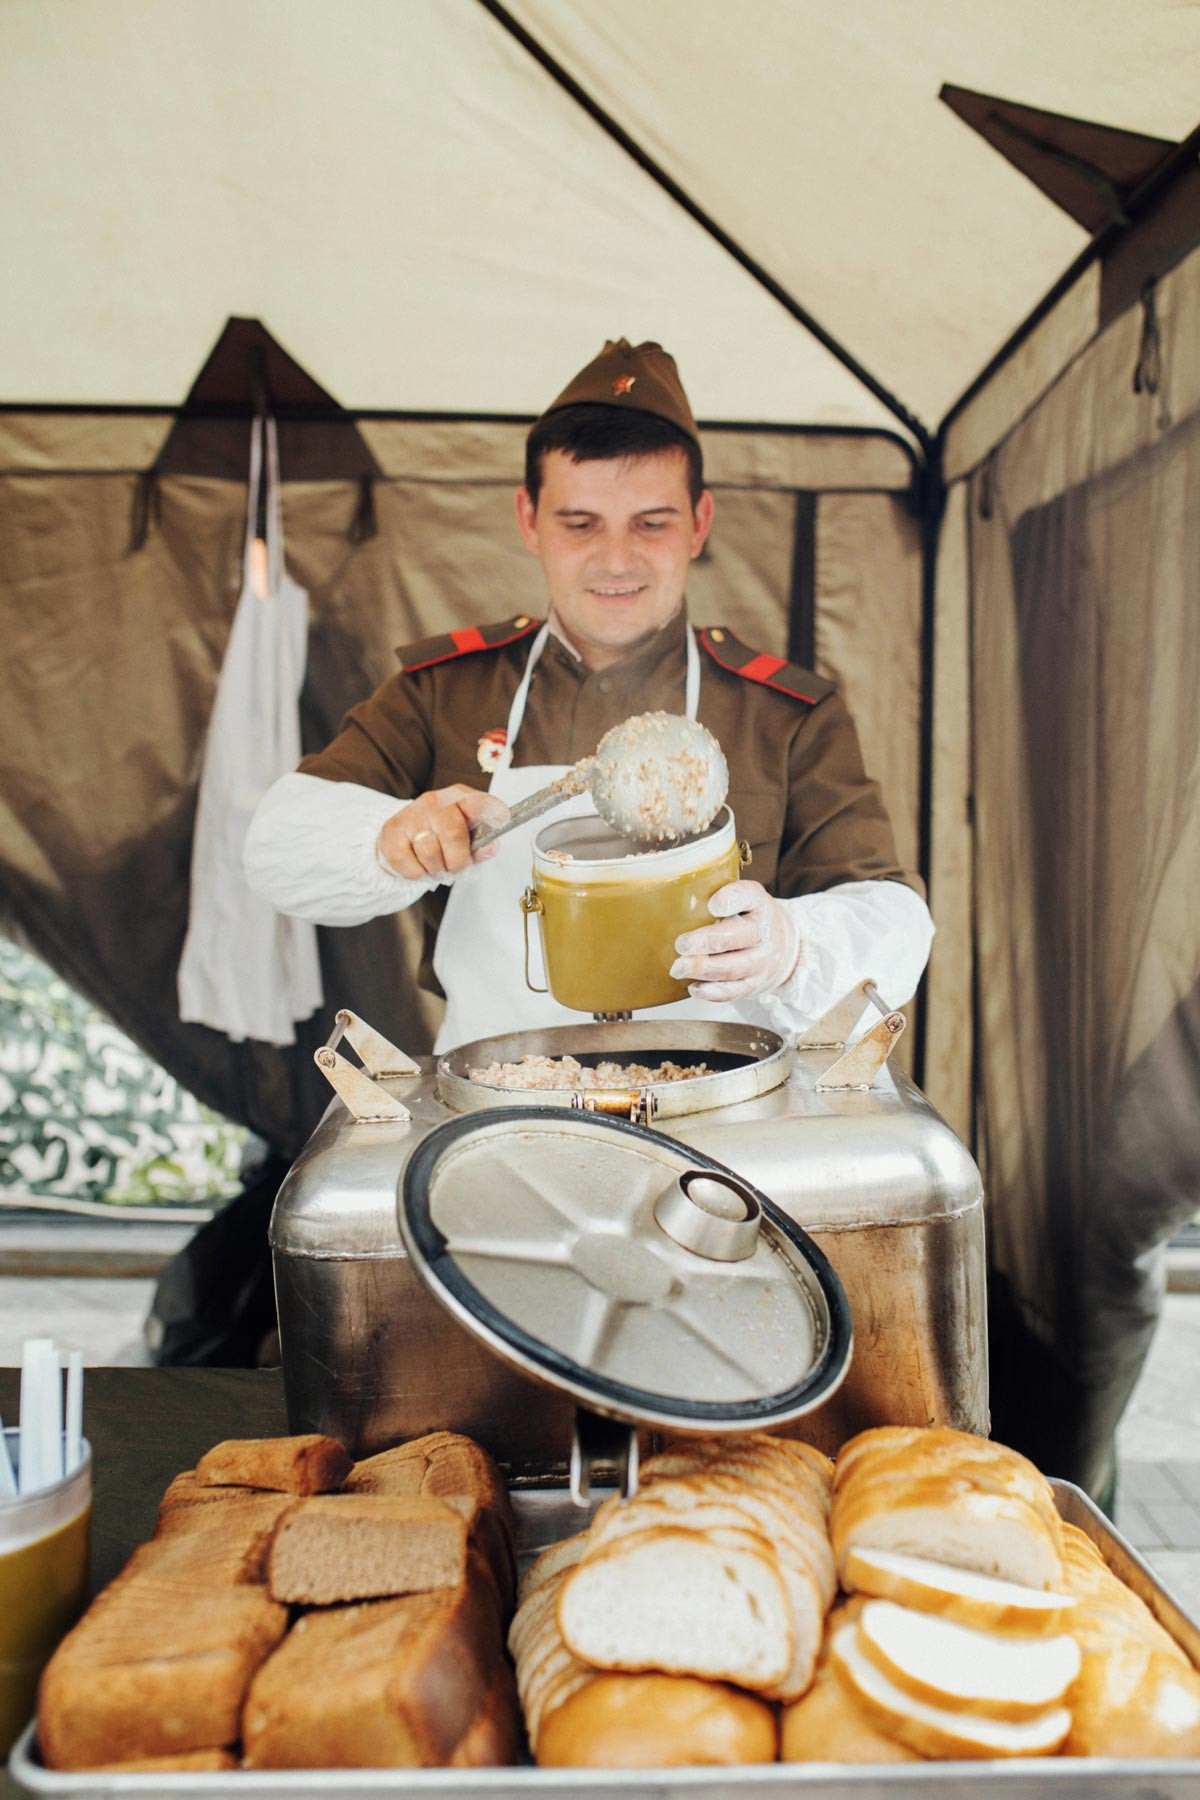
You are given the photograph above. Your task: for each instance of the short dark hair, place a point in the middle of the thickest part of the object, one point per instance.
(593, 433)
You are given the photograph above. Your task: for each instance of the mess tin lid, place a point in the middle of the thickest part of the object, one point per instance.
(651, 1283)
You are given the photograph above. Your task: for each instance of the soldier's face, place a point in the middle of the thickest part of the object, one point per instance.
(615, 540)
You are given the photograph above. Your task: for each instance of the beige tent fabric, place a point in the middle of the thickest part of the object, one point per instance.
(831, 113)
(948, 991)
(427, 220)
(112, 658)
(1085, 553)
(419, 214)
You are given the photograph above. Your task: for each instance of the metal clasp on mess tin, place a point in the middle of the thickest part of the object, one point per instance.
(530, 903)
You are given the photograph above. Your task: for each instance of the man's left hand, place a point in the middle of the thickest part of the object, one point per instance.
(752, 949)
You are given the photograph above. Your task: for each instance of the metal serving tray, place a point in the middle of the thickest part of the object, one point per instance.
(546, 1514)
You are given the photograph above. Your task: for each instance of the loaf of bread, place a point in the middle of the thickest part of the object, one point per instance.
(197, 1762)
(828, 1724)
(159, 1665)
(228, 1542)
(340, 1547)
(656, 1722)
(1137, 1693)
(441, 1466)
(741, 1526)
(947, 1496)
(952, 1731)
(494, 1738)
(953, 1593)
(385, 1684)
(309, 1464)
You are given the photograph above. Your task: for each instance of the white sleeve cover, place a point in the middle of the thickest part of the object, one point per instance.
(877, 931)
(310, 851)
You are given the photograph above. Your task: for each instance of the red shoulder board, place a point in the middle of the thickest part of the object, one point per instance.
(768, 671)
(463, 643)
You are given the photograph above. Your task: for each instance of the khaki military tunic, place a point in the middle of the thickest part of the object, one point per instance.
(797, 787)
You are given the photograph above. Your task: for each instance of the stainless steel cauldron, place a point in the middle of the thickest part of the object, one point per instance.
(878, 1179)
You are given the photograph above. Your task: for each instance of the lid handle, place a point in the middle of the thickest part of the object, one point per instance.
(712, 1215)
(596, 1441)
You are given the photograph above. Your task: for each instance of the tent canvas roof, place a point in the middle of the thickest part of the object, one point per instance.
(427, 221)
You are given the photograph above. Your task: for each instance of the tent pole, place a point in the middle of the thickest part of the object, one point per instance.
(708, 224)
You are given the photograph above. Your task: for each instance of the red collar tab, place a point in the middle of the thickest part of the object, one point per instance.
(767, 671)
(451, 644)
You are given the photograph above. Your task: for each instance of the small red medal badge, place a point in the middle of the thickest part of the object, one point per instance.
(623, 383)
(489, 753)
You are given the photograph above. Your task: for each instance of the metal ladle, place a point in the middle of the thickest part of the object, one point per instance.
(655, 778)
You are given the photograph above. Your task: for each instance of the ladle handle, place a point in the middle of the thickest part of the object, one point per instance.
(534, 805)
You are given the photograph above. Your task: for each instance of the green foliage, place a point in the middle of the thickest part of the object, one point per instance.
(84, 1114)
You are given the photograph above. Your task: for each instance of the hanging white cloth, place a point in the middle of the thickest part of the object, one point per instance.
(246, 969)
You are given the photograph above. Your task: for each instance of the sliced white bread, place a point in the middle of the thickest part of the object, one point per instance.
(946, 1520)
(805, 1504)
(829, 1724)
(938, 1731)
(683, 1602)
(539, 1607)
(686, 1506)
(953, 1593)
(966, 1670)
(553, 1561)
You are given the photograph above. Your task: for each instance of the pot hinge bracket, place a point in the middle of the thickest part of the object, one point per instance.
(365, 1100)
(602, 1443)
(858, 1066)
(635, 1104)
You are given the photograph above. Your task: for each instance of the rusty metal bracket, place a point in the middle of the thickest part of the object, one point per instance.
(369, 1103)
(858, 1067)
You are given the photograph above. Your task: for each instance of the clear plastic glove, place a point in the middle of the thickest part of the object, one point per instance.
(432, 834)
(751, 950)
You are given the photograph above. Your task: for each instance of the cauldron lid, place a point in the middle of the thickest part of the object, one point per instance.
(648, 1281)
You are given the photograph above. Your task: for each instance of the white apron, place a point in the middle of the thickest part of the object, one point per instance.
(480, 955)
(246, 969)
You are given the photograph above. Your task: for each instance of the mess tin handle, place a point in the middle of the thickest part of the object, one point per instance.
(530, 903)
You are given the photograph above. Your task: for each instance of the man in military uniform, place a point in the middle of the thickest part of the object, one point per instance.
(614, 507)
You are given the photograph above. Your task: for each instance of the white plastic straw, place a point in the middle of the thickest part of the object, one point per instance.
(41, 1415)
(8, 1481)
(74, 1455)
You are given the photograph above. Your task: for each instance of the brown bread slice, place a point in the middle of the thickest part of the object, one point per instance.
(382, 1684)
(440, 1466)
(308, 1464)
(365, 1547)
(159, 1665)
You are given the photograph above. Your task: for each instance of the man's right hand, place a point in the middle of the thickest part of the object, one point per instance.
(431, 835)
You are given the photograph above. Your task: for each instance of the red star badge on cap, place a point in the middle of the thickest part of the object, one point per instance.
(623, 383)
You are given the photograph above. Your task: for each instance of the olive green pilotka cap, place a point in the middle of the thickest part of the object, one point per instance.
(631, 377)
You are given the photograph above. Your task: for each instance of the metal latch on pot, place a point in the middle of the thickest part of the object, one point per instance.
(635, 1104)
(369, 1103)
(859, 1065)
